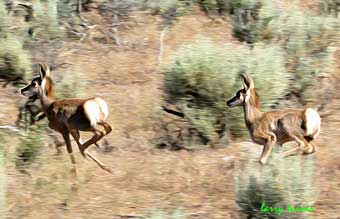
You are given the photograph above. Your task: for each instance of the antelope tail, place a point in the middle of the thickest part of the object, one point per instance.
(96, 110)
(312, 123)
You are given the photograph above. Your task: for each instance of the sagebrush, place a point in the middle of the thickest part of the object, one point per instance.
(285, 181)
(202, 75)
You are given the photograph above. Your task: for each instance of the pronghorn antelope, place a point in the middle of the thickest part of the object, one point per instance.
(69, 116)
(276, 127)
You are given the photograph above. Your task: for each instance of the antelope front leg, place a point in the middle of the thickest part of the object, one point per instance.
(267, 148)
(66, 137)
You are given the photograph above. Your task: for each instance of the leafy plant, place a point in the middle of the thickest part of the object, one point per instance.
(330, 7)
(245, 17)
(3, 18)
(14, 60)
(158, 214)
(168, 9)
(29, 147)
(72, 84)
(46, 19)
(308, 41)
(284, 182)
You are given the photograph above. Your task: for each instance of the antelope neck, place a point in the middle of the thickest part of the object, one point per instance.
(46, 96)
(251, 113)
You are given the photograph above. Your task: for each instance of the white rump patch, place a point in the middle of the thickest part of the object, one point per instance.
(313, 122)
(96, 110)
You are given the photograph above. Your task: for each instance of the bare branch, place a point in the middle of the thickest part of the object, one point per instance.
(173, 112)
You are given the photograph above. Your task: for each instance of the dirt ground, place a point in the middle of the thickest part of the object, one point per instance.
(145, 179)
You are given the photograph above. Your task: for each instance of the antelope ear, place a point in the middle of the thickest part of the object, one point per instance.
(244, 83)
(248, 81)
(44, 71)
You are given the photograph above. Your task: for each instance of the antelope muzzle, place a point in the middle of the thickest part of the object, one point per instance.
(235, 101)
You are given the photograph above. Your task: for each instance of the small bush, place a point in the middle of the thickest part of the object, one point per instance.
(216, 7)
(245, 17)
(29, 147)
(14, 60)
(3, 18)
(308, 41)
(331, 7)
(201, 76)
(168, 9)
(158, 214)
(46, 19)
(286, 181)
(72, 84)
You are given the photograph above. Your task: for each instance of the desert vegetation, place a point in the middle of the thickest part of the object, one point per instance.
(166, 69)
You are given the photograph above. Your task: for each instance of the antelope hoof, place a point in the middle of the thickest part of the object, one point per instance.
(82, 151)
(309, 151)
(107, 169)
(97, 145)
(262, 161)
(74, 171)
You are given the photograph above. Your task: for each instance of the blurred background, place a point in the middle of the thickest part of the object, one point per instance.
(165, 68)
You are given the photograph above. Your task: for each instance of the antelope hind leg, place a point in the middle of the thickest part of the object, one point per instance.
(98, 134)
(301, 146)
(289, 152)
(77, 138)
(100, 164)
(310, 149)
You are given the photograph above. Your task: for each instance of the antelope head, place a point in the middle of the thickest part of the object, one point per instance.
(242, 96)
(32, 89)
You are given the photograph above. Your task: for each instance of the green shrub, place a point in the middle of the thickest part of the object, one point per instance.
(331, 7)
(158, 214)
(72, 84)
(245, 19)
(308, 41)
(29, 147)
(282, 182)
(3, 19)
(201, 76)
(14, 60)
(232, 7)
(168, 9)
(46, 19)
(215, 7)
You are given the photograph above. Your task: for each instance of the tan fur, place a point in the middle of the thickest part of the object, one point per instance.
(279, 126)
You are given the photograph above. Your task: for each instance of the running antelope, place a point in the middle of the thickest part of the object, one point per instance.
(69, 116)
(276, 127)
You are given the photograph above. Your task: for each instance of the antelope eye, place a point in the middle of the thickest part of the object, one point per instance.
(35, 84)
